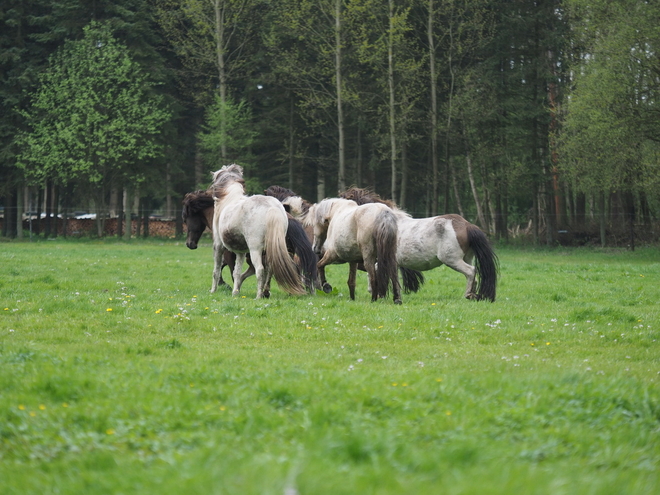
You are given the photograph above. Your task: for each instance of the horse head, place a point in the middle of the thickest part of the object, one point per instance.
(195, 214)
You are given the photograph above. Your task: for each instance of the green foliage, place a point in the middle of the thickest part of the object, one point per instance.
(137, 381)
(228, 124)
(94, 117)
(610, 132)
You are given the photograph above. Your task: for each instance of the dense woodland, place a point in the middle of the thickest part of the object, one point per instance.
(532, 119)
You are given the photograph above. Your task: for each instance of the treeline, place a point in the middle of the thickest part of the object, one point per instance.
(533, 117)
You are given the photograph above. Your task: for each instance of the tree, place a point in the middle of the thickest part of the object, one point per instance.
(610, 137)
(94, 119)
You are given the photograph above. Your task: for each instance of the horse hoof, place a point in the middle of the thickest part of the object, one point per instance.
(398, 301)
(235, 293)
(266, 294)
(327, 288)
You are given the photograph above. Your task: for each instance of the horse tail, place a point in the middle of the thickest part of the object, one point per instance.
(412, 279)
(385, 235)
(277, 256)
(301, 246)
(486, 263)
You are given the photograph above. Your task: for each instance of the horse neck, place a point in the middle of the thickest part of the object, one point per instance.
(208, 217)
(229, 194)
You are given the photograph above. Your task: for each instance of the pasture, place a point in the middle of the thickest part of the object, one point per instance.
(121, 373)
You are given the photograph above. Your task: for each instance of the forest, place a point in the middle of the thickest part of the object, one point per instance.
(535, 120)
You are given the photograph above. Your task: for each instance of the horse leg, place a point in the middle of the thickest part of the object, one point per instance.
(238, 279)
(268, 277)
(370, 267)
(352, 275)
(396, 289)
(469, 272)
(325, 286)
(218, 254)
(260, 272)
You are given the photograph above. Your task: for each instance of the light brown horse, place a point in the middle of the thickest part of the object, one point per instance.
(299, 207)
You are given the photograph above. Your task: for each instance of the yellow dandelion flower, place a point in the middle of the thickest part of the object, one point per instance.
(158, 311)
(448, 413)
(438, 379)
(532, 344)
(547, 343)
(109, 309)
(21, 407)
(33, 414)
(110, 431)
(42, 407)
(394, 384)
(404, 384)
(65, 405)
(432, 304)
(223, 408)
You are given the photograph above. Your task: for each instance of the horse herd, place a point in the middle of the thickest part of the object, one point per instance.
(283, 236)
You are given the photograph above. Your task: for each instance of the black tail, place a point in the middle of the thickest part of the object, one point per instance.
(386, 234)
(299, 244)
(412, 279)
(485, 262)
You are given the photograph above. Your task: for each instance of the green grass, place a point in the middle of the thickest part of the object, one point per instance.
(120, 373)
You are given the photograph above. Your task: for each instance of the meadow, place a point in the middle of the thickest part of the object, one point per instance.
(121, 373)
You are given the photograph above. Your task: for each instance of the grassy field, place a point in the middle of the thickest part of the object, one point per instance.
(120, 373)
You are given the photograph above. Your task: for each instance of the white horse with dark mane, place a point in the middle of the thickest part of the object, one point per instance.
(251, 224)
(345, 232)
(426, 243)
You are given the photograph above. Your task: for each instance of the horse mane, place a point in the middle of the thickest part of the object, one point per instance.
(195, 202)
(283, 195)
(225, 177)
(364, 196)
(279, 192)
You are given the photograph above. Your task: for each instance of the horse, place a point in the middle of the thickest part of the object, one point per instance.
(299, 207)
(426, 243)
(197, 214)
(347, 232)
(251, 224)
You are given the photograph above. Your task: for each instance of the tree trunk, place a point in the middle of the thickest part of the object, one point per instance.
(480, 214)
(358, 179)
(434, 111)
(580, 211)
(128, 212)
(390, 83)
(602, 218)
(404, 175)
(56, 202)
(20, 199)
(291, 143)
(218, 6)
(169, 212)
(452, 77)
(146, 211)
(48, 199)
(457, 195)
(341, 177)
